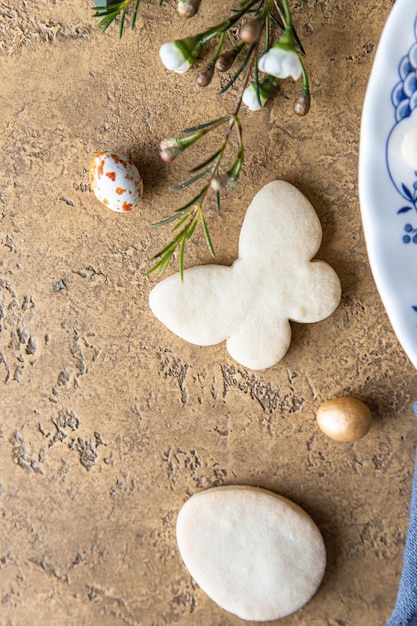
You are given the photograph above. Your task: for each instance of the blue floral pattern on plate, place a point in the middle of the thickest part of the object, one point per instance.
(387, 183)
(404, 100)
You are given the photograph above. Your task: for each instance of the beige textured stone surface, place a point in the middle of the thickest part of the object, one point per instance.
(108, 421)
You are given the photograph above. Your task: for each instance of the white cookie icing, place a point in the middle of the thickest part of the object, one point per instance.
(256, 554)
(273, 281)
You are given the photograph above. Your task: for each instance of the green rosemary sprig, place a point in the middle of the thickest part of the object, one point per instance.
(108, 10)
(260, 23)
(192, 213)
(269, 51)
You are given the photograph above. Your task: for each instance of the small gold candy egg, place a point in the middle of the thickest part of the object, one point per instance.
(344, 419)
(116, 181)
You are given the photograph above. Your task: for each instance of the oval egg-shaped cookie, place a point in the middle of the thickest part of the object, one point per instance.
(255, 553)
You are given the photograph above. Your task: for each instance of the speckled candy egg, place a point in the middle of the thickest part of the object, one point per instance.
(116, 181)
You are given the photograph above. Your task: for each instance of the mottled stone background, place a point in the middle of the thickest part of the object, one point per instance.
(107, 421)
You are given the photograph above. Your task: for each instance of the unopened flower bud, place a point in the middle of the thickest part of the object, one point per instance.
(204, 77)
(179, 55)
(169, 149)
(251, 31)
(225, 61)
(168, 143)
(302, 104)
(220, 182)
(188, 8)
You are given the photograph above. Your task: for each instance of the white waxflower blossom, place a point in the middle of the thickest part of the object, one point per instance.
(173, 58)
(281, 62)
(250, 98)
(179, 55)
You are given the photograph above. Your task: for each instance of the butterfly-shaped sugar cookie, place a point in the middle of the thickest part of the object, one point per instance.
(250, 303)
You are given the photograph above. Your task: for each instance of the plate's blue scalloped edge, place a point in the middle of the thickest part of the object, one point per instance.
(404, 102)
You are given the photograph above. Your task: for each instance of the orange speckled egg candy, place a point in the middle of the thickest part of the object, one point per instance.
(116, 181)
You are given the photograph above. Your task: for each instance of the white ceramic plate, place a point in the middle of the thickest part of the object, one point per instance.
(387, 185)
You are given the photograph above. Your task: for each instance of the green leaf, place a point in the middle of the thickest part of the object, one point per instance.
(184, 232)
(106, 21)
(182, 220)
(191, 229)
(257, 86)
(218, 201)
(181, 259)
(277, 22)
(166, 262)
(168, 220)
(179, 212)
(162, 264)
(135, 12)
(193, 179)
(233, 79)
(239, 71)
(109, 10)
(194, 129)
(207, 236)
(122, 22)
(170, 246)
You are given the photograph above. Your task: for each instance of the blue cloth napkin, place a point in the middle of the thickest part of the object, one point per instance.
(405, 612)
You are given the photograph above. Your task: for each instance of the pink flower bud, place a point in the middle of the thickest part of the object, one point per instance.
(221, 182)
(169, 149)
(188, 8)
(302, 104)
